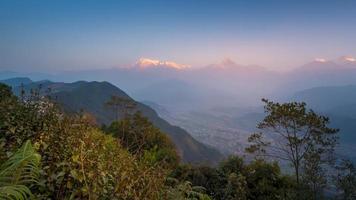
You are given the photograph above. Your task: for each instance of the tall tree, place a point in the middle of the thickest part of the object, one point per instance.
(121, 105)
(293, 133)
(141, 137)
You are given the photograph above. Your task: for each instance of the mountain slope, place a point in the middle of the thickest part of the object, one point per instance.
(91, 97)
(339, 104)
(339, 100)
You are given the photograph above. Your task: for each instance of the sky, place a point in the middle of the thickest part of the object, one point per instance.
(74, 35)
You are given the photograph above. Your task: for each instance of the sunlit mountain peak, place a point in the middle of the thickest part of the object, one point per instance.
(348, 59)
(145, 63)
(320, 60)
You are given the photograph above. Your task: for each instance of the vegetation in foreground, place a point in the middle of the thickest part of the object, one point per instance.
(47, 154)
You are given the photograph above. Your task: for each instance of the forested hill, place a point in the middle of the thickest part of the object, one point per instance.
(92, 96)
(14, 82)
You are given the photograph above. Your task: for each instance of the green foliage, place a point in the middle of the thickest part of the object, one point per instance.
(184, 191)
(234, 179)
(83, 163)
(140, 137)
(5, 93)
(78, 160)
(314, 175)
(345, 180)
(18, 172)
(265, 181)
(232, 164)
(204, 176)
(236, 187)
(23, 120)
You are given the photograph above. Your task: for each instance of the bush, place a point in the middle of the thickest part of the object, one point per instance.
(79, 161)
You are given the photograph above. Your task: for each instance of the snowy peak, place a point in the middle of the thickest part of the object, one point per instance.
(322, 64)
(348, 59)
(320, 60)
(146, 63)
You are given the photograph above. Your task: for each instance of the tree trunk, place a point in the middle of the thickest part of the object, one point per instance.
(296, 168)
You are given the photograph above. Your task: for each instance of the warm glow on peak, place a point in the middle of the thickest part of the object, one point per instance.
(225, 63)
(146, 62)
(149, 63)
(349, 59)
(321, 60)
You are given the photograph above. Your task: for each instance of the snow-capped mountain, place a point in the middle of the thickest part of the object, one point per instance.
(145, 63)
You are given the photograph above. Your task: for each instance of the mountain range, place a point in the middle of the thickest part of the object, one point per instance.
(225, 82)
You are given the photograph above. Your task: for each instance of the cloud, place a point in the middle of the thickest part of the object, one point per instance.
(144, 63)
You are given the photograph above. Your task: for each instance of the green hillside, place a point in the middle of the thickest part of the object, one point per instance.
(92, 96)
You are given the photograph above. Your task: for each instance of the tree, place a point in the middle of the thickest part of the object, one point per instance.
(314, 175)
(236, 188)
(345, 180)
(5, 93)
(23, 120)
(233, 164)
(210, 178)
(294, 132)
(183, 191)
(120, 104)
(266, 182)
(141, 137)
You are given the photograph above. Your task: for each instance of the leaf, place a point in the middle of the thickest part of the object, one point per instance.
(20, 169)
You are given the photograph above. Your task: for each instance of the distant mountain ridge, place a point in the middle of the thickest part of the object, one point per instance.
(91, 97)
(14, 82)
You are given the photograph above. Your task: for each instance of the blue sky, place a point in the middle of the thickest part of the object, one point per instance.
(280, 34)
